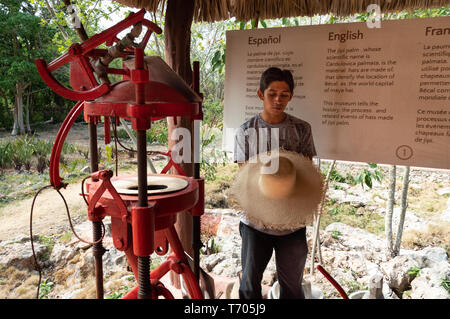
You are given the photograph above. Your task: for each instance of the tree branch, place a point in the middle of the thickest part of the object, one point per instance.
(80, 28)
(403, 211)
(52, 12)
(26, 85)
(158, 49)
(390, 211)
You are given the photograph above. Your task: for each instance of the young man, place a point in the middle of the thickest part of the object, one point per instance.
(276, 90)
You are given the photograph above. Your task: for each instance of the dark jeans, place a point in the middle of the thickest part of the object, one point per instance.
(290, 256)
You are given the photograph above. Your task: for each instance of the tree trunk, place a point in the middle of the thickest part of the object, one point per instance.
(19, 127)
(15, 129)
(390, 211)
(403, 211)
(158, 49)
(177, 31)
(27, 114)
(19, 105)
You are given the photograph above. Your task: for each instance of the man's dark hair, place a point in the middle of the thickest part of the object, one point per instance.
(276, 74)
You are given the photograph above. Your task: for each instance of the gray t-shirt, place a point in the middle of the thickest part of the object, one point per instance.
(294, 135)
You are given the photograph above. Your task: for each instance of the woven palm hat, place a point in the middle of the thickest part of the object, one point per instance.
(284, 199)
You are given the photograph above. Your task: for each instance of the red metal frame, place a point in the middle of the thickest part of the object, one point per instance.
(103, 201)
(135, 230)
(55, 179)
(176, 262)
(79, 53)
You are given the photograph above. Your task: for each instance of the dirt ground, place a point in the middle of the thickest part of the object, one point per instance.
(49, 210)
(49, 214)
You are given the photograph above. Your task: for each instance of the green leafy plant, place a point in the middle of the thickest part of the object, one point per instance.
(22, 152)
(414, 271)
(119, 294)
(44, 289)
(42, 163)
(336, 176)
(335, 210)
(211, 160)
(109, 152)
(5, 155)
(211, 247)
(446, 284)
(158, 133)
(218, 60)
(335, 234)
(367, 175)
(353, 285)
(41, 147)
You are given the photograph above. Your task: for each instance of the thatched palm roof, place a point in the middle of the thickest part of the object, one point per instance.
(244, 10)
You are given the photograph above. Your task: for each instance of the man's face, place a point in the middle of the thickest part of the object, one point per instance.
(275, 97)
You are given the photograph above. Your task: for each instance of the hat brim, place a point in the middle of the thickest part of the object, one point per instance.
(292, 212)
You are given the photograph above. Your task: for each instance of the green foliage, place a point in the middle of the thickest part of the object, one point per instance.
(212, 123)
(335, 234)
(5, 155)
(446, 284)
(122, 134)
(352, 216)
(332, 19)
(72, 169)
(14, 186)
(211, 247)
(352, 286)
(367, 175)
(211, 157)
(49, 243)
(28, 152)
(208, 47)
(30, 30)
(414, 271)
(218, 60)
(91, 13)
(109, 152)
(21, 42)
(119, 294)
(45, 288)
(159, 132)
(335, 176)
(23, 151)
(213, 113)
(23, 39)
(42, 147)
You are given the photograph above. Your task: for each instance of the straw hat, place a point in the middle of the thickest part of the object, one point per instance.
(286, 198)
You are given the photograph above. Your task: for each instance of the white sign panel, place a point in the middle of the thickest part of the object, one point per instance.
(377, 95)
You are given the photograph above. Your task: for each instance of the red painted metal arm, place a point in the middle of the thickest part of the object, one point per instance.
(170, 164)
(79, 52)
(55, 179)
(333, 282)
(151, 27)
(61, 90)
